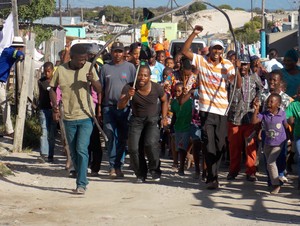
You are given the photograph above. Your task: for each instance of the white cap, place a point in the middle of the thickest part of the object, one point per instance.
(17, 41)
(216, 43)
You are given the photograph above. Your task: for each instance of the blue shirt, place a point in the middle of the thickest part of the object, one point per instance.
(157, 72)
(8, 57)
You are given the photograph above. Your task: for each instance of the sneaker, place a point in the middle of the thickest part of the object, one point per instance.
(283, 179)
(140, 180)
(155, 177)
(112, 174)
(231, 176)
(181, 172)
(72, 174)
(212, 185)
(119, 173)
(275, 190)
(94, 174)
(80, 191)
(251, 178)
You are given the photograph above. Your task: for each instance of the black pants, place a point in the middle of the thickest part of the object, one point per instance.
(95, 150)
(143, 137)
(213, 137)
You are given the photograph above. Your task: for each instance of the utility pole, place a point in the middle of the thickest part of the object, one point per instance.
(252, 11)
(263, 14)
(81, 15)
(299, 28)
(60, 13)
(171, 9)
(133, 12)
(263, 32)
(14, 5)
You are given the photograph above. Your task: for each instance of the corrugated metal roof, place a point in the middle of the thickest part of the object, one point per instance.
(55, 20)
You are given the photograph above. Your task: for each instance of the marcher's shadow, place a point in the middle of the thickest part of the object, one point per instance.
(248, 200)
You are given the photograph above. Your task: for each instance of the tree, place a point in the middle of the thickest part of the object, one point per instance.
(249, 33)
(197, 6)
(238, 8)
(36, 10)
(224, 6)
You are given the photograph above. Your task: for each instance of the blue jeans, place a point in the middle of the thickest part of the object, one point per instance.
(297, 142)
(47, 140)
(115, 126)
(78, 134)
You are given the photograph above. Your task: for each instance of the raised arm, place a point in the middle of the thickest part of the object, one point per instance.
(186, 47)
(255, 119)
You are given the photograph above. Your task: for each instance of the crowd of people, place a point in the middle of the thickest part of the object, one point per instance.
(197, 104)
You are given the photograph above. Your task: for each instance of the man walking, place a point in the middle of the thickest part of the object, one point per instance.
(214, 73)
(114, 76)
(73, 78)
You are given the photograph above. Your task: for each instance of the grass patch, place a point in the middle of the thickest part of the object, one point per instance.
(4, 170)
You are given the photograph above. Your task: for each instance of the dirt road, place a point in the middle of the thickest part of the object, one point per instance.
(41, 194)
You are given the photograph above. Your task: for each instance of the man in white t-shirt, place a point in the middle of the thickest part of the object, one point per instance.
(273, 63)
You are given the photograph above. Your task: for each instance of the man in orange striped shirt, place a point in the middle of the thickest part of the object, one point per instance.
(214, 74)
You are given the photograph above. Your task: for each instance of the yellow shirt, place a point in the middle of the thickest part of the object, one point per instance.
(73, 86)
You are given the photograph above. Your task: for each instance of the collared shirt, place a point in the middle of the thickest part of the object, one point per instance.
(241, 111)
(213, 96)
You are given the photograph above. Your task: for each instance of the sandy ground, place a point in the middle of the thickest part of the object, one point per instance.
(41, 194)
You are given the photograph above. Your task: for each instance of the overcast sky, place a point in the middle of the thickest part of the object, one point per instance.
(246, 4)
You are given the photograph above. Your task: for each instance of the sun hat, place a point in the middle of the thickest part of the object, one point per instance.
(17, 41)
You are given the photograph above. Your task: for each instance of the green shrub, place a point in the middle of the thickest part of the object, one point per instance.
(32, 132)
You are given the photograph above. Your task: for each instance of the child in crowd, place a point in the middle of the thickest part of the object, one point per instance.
(47, 140)
(182, 110)
(169, 62)
(293, 116)
(161, 56)
(276, 85)
(275, 123)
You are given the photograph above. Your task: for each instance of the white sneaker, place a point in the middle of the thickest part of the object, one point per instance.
(283, 179)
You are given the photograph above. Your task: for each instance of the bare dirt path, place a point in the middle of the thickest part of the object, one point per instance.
(41, 194)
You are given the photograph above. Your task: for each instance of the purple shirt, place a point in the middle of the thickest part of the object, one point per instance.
(274, 127)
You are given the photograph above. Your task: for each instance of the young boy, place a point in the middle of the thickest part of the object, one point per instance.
(182, 110)
(275, 123)
(47, 140)
(275, 83)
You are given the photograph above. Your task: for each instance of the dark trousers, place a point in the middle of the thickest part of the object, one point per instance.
(95, 150)
(143, 137)
(213, 137)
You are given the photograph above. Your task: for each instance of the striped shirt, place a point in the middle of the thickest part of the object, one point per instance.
(213, 96)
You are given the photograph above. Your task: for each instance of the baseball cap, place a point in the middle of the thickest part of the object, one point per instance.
(216, 43)
(245, 59)
(117, 46)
